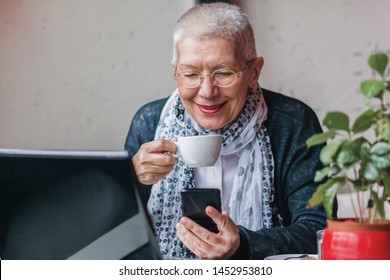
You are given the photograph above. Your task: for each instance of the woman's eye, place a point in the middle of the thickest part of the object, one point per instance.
(223, 73)
(190, 75)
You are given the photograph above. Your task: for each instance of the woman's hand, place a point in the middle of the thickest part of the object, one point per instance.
(152, 163)
(206, 244)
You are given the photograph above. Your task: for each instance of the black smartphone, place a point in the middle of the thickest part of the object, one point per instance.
(194, 202)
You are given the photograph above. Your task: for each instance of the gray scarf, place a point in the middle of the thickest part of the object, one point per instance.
(251, 201)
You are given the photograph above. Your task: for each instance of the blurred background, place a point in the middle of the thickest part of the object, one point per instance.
(73, 73)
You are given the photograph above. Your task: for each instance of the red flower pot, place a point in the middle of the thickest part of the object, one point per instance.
(346, 239)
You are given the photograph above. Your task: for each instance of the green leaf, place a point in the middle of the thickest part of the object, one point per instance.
(325, 194)
(381, 148)
(380, 162)
(337, 121)
(346, 156)
(379, 204)
(361, 185)
(372, 88)
(350, 151)
(327, 171)
(364, 151)
(385, 134)
(329, 151)
(385, 175)
(364, 121)
(358, 144)
(320, 138)
(371, 172)
(378, 62)
(318, 195)
(346, 169)
(329, 196)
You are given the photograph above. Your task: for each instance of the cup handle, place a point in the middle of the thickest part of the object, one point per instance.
(177, 155)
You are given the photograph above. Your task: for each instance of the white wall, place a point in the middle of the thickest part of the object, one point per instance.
(317, 50)
(73, 73)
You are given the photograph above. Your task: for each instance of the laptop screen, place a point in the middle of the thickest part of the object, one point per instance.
(72, 205)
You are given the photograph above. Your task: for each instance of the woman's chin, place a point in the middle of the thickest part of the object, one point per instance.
(211, 125)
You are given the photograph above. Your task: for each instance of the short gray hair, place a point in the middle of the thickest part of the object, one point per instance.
(217, 19)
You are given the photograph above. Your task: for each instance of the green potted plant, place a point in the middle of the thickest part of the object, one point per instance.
(356, 156)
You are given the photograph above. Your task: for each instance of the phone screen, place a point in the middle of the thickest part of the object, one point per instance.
(194, 202)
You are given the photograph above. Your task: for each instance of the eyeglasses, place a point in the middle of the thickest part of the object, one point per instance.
(220, 77)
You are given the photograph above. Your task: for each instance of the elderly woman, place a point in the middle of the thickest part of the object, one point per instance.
(265, 172)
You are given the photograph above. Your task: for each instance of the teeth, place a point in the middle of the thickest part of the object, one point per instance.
(212, 107)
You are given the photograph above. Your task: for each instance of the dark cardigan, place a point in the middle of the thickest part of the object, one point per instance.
(289, 123)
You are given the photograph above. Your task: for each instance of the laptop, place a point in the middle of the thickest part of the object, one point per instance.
(62, 204)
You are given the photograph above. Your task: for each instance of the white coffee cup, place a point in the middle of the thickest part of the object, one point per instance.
(200, 150)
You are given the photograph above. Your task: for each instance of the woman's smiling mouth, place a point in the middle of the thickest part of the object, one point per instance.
(211, 109)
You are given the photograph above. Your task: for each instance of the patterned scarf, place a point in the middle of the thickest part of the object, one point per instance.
(251, 201)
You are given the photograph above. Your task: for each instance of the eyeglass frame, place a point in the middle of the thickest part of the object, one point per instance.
(201, 76)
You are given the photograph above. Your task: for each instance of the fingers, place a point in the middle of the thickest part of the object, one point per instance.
(152, 163)
(228, 231)
(159, 146)
(206, 244)
(150, 178)
(197, 243)
(221, 219)
(150, 168)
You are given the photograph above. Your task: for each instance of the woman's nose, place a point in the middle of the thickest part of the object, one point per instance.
(207, 89)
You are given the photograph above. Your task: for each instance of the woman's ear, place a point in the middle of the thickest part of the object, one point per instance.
(174, 68)
(256, 67)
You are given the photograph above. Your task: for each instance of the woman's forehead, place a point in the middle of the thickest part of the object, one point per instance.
(213, 49)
